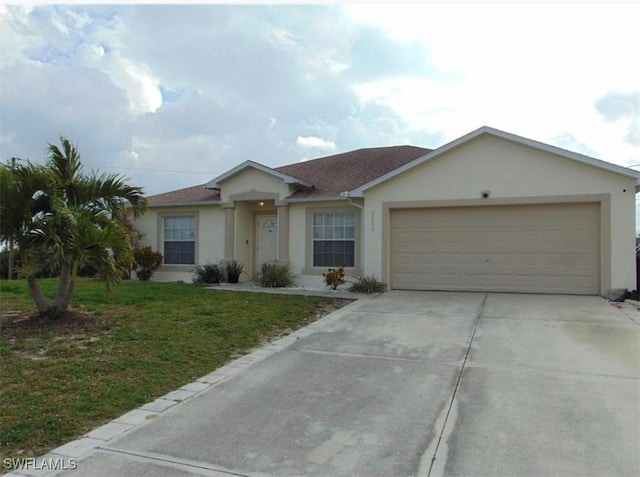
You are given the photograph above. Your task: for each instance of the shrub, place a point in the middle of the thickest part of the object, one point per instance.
(367, 284)
(42, 264)
(233, 269)
(147, 261)
(273, 275)
(334, 277)
(211, 273)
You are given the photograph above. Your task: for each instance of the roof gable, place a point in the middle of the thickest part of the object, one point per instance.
(288, 179)
(486, 130)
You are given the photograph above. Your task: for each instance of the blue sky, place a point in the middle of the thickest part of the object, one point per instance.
(173, 95)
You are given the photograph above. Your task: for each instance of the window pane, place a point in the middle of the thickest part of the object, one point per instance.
(333, 253)
(179, 228)
(179, 252)
(350, 232)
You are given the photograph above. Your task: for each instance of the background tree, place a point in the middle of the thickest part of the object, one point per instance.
(64, 219)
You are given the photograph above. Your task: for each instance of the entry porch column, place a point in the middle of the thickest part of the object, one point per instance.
(283, 232)
(229, 230)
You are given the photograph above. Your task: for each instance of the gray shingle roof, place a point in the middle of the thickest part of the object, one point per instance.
(191, 194)
(332, 175)
(329, 175)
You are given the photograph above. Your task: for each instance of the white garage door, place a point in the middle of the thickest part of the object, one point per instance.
(547, 248)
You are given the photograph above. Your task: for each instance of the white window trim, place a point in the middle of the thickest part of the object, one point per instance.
(309, 268)
(175, 267)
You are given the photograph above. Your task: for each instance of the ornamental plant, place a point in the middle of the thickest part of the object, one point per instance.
(334, 277)
(147, 261)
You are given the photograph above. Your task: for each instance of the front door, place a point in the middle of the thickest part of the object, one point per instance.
(266, 239)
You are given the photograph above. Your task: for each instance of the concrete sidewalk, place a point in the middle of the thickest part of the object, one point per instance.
(407, 383)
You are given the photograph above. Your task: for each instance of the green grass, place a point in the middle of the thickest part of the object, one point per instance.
(60, 380)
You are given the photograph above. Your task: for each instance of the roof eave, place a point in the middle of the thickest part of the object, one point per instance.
(327, 198)
(592, 161)
(185, 204)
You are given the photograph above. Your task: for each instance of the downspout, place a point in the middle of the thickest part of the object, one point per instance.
(361, 207)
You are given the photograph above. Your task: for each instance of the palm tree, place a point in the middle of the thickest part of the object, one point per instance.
(73, 219)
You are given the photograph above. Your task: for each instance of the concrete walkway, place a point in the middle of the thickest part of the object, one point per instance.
(407, 383)
(323, 291)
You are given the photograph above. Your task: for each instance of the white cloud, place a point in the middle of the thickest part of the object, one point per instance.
(283, 37)
(312, 142)
(141, 86)
(535, 70)
(15, 34)
(60, 26)
(79, 19)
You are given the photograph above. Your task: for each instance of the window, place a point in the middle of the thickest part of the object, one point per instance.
(179, 240)
(334, 239)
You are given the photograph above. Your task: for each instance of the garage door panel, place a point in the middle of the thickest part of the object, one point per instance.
(550, 248)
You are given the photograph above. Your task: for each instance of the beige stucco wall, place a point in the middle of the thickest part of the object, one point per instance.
(297, 238)
(512, 173)
(253, 179)
(209, 237)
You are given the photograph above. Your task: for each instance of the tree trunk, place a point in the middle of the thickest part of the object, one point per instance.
(42, 303)
(66, 287)
(62, 294)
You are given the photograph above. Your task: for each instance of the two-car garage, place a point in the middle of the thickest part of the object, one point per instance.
(496, 212)
(538, 248)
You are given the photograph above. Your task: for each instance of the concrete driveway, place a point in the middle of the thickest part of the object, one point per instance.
(408, 383)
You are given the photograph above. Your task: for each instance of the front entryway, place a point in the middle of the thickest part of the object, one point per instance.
(266, 239)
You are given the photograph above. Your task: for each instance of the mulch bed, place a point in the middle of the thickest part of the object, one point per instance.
(69, 322)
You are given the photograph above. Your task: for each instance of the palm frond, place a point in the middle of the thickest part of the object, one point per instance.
(66, 162)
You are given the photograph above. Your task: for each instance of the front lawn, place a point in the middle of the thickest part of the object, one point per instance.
(120, 350)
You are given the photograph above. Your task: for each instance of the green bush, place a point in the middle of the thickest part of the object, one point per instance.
(147, 261)
(367, 284)
(232, 269)
(211, 273)
(44, 267)
(273, 275)
(334, 277)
